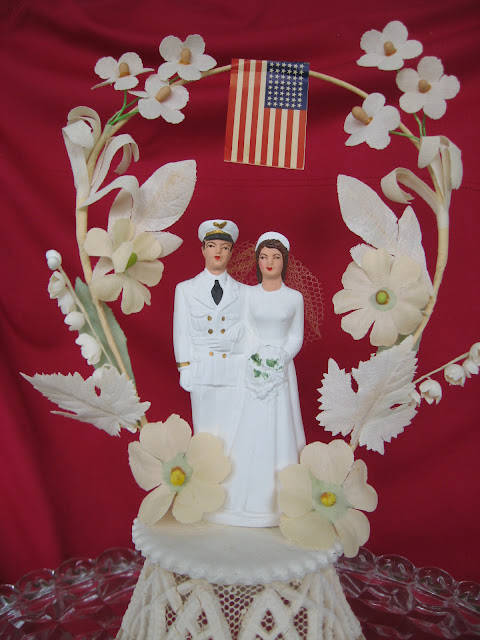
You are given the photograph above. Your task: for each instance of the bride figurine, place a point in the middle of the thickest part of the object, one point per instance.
(270, 433)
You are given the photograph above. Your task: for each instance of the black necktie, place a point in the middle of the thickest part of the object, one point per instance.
(217, 292)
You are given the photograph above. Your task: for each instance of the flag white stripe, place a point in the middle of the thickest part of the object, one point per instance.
(283, 137)
(271, 137)
(248, 120)
(238, 106)
(295, 131)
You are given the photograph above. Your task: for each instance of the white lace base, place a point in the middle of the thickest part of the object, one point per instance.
(168, 606)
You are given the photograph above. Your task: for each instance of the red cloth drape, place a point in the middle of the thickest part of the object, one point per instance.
(66, 488)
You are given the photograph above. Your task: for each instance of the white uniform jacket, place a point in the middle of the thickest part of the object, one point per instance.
(207, 335)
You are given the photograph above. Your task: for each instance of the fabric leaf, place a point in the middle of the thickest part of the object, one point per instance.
(116, 406)
(410, 243)
(130, 148)
(365, 213)
(162, 200)
(83, 293)
(338, 401)
(381, 409)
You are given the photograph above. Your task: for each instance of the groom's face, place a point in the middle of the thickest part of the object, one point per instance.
(217, 253)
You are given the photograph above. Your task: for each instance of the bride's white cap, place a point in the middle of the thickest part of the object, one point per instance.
(273, 235)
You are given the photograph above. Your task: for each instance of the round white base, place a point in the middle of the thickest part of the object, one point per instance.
(221, 554)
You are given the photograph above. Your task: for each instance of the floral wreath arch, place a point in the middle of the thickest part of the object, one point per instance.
(387, 287)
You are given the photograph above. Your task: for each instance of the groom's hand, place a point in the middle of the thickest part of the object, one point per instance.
(186, 378)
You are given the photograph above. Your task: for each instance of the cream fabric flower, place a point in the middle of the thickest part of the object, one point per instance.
(372, 124)
(90, 348)
(185, 58)
(134, 260)
(386, 292)
(455, 374)
(159, 99)
(321, 497)
(122, 72)
(470, 368)
(427, 88)
(388, 49)
(179, 468)
(57, 290)
(431, 391)
(474, 353)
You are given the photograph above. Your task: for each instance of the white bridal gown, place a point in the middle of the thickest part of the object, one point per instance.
(270, 434)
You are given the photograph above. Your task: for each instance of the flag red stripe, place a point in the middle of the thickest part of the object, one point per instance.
(231, 110)
(266, 125)
(288, 142)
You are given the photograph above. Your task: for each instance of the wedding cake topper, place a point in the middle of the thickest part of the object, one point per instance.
(388, 290)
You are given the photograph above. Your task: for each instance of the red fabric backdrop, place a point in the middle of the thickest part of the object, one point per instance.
(65, 487)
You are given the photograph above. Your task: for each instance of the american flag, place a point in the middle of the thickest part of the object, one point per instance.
(267, 113)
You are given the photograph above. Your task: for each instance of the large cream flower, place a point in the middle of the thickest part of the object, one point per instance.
(179, 468)
(388, 49)
(134, 260)
(320, 498)
(185, 58)
(427, 88)
(386, 292)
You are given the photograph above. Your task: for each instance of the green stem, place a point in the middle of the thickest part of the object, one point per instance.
(420, 127)
(405, 135)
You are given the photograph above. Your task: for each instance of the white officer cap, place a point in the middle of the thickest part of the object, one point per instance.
(218, 230)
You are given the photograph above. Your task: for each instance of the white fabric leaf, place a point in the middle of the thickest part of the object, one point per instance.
(358, 251)
(163, 199)
(116, 406)
(169, 241)
(338, 401)
(88, 115)
(80, 135)
(383, 396)
(410, 243)
(129, 183)
(391, 188)
(113, 145)
(366, 214)
(380, 409)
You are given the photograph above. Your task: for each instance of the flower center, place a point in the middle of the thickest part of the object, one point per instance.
(389, 48)
(423, 86)
(163, 94)
(328, 499)
(185, 56)
(382, 297)
(132, 260)
(124, 70)
(177, 476)
(360, 114)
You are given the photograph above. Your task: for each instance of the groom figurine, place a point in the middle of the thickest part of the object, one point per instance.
(208, 332)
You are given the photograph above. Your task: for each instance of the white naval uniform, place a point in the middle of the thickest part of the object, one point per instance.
(209, 337)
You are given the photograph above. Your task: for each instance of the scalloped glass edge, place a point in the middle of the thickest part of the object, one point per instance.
(115, 571)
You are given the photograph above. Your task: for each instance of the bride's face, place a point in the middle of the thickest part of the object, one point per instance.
(270, 262)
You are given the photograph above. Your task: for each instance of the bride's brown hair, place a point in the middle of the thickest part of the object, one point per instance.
(272, 244)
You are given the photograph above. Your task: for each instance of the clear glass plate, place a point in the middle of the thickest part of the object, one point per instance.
(87, 598)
